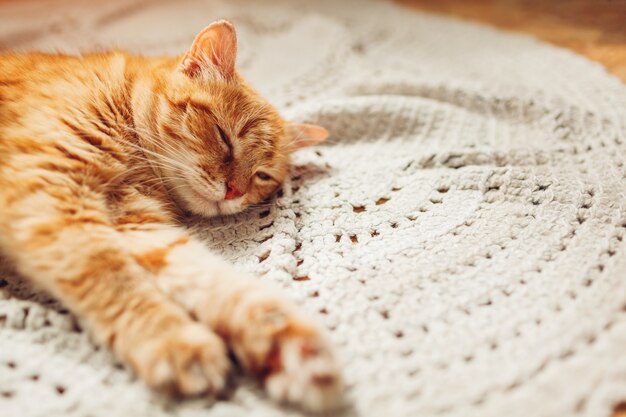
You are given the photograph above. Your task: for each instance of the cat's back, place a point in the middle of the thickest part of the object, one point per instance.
(40, 93)
(34, 81)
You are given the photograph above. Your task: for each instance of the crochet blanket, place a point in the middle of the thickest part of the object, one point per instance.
(461, 235)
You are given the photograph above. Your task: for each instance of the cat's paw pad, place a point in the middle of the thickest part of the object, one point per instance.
(304, 371)
(187, 361)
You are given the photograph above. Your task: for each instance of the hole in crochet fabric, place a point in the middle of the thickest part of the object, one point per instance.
(315, 294)
(358, 47)
(359, 209)
(337, 238)
(7, 394)
(265, 239)
(323, 310)
(394, 225)
(385, 314)
(354, 239)
(267, 226)
(300, 262)
(399, 334)
(436, 200)
(60, 389)
(412, 217)
(11, 365)
(263, 257)
(443, 189)
(34, 377)
(395, 189)
(374, 233)
(302, 278)
(480, 401)
(580, 405)
(264, 214)
(298, 246)
(381, 201)
(513, 386)
(318, 153)
(3, 283)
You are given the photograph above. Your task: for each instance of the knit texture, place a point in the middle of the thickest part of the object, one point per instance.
(461, 235)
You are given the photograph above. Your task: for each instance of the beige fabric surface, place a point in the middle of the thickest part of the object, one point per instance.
(461, 235)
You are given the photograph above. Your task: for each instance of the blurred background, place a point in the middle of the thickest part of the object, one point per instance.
(594, 28)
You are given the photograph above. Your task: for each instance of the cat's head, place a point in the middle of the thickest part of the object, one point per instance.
(221, 147)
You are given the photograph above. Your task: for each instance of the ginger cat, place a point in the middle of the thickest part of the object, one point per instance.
(99, 157)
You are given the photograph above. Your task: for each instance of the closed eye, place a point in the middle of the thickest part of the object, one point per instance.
(224, 137)
(263, 176)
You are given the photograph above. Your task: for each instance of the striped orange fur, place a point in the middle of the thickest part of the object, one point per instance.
(100, 155)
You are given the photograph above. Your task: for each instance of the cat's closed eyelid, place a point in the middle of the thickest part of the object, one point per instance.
(224, 137)
(263, 176)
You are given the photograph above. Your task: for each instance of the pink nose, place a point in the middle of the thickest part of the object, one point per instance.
(231, 191)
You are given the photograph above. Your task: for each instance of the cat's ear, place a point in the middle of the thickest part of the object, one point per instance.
(215, 48)
(303, 135)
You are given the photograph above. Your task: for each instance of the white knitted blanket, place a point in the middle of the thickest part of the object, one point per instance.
(461, 235)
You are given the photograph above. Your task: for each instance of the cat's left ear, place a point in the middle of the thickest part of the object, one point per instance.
(303, 135)
(215, 48)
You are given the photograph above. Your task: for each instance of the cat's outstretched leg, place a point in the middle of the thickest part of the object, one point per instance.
(61, 238)
(260, 324)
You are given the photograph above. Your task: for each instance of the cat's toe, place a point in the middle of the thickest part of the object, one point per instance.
(190, 360)
(304, 371)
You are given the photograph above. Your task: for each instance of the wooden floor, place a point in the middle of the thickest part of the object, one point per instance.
(593, 28)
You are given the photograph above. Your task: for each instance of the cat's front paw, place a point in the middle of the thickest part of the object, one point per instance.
(289, 352)
(303, 370)
(188, 360)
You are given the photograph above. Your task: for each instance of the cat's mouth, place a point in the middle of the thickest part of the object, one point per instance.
(204, 205)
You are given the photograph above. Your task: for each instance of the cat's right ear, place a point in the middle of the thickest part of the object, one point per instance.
(214, 49)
